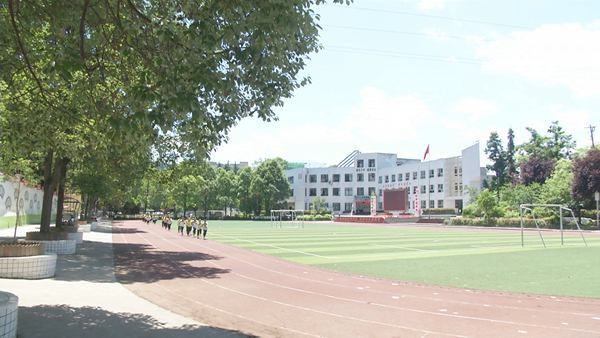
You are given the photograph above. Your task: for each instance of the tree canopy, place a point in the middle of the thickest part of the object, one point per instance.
(84, 78)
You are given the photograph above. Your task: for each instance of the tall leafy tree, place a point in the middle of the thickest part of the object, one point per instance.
(244, 194)
(560, 144)
(557, 188)
(184, 71)
(511, 168)
(586, 180)
(497, 155)
(269, 185)
(536, 170)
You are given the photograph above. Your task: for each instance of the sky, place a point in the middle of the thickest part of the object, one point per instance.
(397, 75)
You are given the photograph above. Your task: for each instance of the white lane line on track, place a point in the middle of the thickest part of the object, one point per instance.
(182, 296)
(279, 247)
(537, 310)
(390, 306)
(350, 318)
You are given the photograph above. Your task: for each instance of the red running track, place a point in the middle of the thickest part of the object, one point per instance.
(237, 289)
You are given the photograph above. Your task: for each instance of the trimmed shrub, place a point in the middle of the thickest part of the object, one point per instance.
(439, 211)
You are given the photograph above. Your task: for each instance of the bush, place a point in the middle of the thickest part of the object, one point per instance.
(588, 213)
(546, 222)
(326, 217)
(439, 211)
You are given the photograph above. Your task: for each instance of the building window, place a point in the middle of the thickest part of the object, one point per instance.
(423, 189)
(440, 172)
(324, 192)
(455, 171)
(336, 192)
(336, 206)
(347, 177)
(371, 163)
(360, 177)
(380, 192)
(440, 188)
(300, 176)
(348, 192)
(440, 204)
(415, 189)
(422, 174)
(379, 205)
(414, 175)
(324, 178)
(336, 177)
(312, 178)
(292, 192)
(371, 191)
(360, 191)
(394, 178)
(326, 206)
(312, 192)
(360, 163)
(432, 204)
(431, 188)
(399, 177)
(371, 177)
(431, 173)
(460, 187)
(380, 179)
(424, 204)
(460, 171)
(305, 192)
(348, 207)
(291, 179)
(387, 179)
(455, 187)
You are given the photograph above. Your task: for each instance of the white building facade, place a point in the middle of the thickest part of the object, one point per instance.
(439, 183)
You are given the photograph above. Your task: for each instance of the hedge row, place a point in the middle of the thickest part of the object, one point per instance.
(500, 222)
(315, 218)
(440, 211)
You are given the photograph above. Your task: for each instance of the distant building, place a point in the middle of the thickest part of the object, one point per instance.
(235, 166)
(347, 187)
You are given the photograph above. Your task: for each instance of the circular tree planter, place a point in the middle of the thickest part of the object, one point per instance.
(26, 260)
(57, 242)
(9, 305)
(20, 249)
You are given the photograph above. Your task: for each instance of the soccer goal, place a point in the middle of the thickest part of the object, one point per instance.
(289, 218)
(524, 209)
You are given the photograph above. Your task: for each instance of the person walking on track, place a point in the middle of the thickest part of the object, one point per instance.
(204, 228)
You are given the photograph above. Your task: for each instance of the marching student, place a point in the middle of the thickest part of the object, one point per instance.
(204, 229)
(195, 228)
(180, 225)
(188, 226)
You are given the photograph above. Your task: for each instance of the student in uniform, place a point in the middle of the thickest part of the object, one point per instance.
(169, 222)
(180, 225)
(204, 229)
(188, 226)
(195, 228)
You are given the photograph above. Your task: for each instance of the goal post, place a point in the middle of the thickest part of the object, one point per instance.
(524, 208)
(278, 217)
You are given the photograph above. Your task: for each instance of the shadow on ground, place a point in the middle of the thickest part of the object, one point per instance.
(91, 322)
(140, 263)
(116, 230)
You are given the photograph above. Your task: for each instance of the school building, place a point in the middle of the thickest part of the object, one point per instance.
(348, 186)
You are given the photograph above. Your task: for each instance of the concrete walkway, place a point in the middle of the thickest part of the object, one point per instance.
(85, 300)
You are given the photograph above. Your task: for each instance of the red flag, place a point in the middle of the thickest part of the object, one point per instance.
(426, 152)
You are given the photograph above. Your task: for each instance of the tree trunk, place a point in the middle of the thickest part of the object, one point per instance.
(48, 193)
(61, 173)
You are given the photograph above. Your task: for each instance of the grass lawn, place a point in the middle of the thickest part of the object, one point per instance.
(492, 260)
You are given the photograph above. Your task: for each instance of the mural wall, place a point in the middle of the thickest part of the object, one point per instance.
(30, 203)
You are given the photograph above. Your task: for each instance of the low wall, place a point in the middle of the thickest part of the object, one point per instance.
(62, 247)
(28, 267)
(76, 236)
(9, 306)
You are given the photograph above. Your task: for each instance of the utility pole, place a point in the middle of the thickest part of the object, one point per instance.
(592, 128)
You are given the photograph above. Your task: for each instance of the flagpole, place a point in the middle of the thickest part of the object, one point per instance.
(428, 189)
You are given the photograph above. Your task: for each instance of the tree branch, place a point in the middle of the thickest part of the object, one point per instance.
(82, 30)
(137, 11)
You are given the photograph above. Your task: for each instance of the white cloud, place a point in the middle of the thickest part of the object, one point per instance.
(557, 54)
(473, 109)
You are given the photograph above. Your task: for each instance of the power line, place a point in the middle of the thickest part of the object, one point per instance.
(377, 30)
(439, 17)
(426, 57)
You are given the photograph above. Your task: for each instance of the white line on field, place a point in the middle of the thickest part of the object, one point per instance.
(281, 248)
(400, 247)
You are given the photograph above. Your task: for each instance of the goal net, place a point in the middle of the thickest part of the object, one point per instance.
(535, 212)
(287, 218)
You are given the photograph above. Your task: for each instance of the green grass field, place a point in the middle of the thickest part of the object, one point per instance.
(492, 260)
